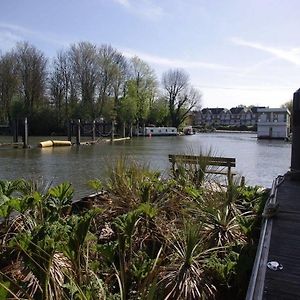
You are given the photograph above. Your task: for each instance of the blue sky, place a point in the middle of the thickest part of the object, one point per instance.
(235, 51)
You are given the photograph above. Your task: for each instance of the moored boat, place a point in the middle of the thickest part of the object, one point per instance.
(157, 131)
(188, 130)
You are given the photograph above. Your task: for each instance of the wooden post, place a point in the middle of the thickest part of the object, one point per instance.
(124, 129)
(25, 136)
(295, 158)
(15, 131)
(70, 130)
(131, 130)
(243, 181)
(78, 132)
(94, 130)
(112, 130)
(144, 130)
(137, 129)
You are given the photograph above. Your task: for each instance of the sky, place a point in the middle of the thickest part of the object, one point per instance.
(235, 51)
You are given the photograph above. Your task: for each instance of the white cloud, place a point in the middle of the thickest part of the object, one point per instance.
(123, 2)
(291, 55)
(174, 63)
(13, 33)
(8, 40)
(142, 8)
(216, 96)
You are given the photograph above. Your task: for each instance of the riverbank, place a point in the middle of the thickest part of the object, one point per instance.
(235, 131)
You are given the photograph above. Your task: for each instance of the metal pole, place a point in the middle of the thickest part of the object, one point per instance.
(25, 136)
(78, 132)
(295, 159)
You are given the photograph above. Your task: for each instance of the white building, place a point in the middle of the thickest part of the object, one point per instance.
(273, 123)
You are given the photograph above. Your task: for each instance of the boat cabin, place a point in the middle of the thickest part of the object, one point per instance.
(273, 123)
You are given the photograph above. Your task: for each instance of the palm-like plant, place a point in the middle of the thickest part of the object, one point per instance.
(185, 277)
(221, 228)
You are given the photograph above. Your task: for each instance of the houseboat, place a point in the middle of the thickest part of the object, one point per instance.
(157, 131)
(273, 123)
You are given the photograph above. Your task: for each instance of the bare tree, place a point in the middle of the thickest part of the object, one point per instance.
(113, 74)
(182, 97)
(83, 59)
(32, 71)
(61, 83)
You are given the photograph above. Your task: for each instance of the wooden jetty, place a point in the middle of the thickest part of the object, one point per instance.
(285, 245)
(276, 270)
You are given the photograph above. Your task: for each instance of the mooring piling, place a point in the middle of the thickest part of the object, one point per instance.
(78, 132)
(25, 134)
(295, 158)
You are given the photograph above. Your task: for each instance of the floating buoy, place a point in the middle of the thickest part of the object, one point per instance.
(54, 144)
(46, 144)
(61, 143)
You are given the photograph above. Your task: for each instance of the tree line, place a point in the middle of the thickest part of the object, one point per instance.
(90, 82)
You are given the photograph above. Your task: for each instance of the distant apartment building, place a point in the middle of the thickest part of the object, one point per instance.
(273, 123)
(236, 116)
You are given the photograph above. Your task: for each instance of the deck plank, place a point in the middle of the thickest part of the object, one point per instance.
(285, 245)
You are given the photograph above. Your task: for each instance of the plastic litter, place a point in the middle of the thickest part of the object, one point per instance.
(274, 265)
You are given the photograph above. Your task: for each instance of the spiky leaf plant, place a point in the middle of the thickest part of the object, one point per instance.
(185, 276)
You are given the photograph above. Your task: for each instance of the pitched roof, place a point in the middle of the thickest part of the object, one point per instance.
(214, 111)
(236, 110)
(255, 108)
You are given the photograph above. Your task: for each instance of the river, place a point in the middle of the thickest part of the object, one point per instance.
(260, 161)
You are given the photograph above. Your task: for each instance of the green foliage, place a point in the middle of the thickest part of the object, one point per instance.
(59, 200)
(95, 184)
(159, 113)
(4, 289)
(127, 110)
(146, 237)
(44, 121)
(223, 268)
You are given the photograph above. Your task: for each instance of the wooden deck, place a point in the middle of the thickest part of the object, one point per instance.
(285, 245)
(279, 242)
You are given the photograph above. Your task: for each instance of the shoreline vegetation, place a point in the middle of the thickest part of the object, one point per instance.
(140, 236)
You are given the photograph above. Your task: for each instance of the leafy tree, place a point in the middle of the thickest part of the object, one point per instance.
(128, 105)
(288, 105)
(145, 87)
(159, 112)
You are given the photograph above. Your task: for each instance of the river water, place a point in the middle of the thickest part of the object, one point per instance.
(260, 161)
